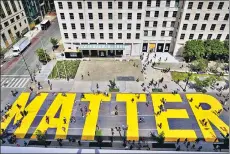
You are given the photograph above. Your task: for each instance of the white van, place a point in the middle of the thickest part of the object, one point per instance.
(20, 46)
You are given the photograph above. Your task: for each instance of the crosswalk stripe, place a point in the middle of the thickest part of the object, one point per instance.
(27, 80)
(20, 85)
(18, 82)
(4, 82)
(12, 82)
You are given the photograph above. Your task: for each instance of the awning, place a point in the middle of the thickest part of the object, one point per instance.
(102, 47)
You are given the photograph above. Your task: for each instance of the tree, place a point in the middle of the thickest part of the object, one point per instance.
(112, 84)
(42, 55)
(214, 49)
(193, 50)
(41, 137)
(202, 84)
(226, 44)
(199, 65)
(54, 42)
(160, 138)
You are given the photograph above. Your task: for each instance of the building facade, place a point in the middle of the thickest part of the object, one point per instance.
(14, 23)
(129, 27)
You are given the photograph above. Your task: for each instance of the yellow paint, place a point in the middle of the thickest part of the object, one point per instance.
(66, 104)
(95, 100)
(208, 115)
(131, 113)
(32, 109)
(171, 135)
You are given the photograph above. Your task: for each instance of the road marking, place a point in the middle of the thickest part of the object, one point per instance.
(14, 82)
(26, 82)
(19, 82)
(15, 75)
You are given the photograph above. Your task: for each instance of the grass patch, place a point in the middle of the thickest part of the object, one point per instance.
(64, 67)
(114, 89)
(182, 76)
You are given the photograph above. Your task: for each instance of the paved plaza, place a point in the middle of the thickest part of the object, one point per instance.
(182, 117)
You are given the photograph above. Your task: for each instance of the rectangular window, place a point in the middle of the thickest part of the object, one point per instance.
(174, 14)
(172, 24)
(156, 14)
(213, 26)
(190, 4)
(110, 35)
(155, 23)
(138, 16)
(137, 36)
(145, 33)
(83, 35)
(218, 36)
(6, 24)
(185, 26)
(100, 25)
(220, 6)
(73, 26)
(91, 25)
(139, 5)
(119, 35)
(146, 23)
(19, 4)
(13, 5)
(7, 7)
(119, 5)
(90, 15)
(71, 16)
(99, 5)
(153, 33)
(194, 26)
(227, 37)
(200, 36)
(120, 26)
(187, 16)
(206, 16)
(12, 20)
(92, 35)
(60, 5)
(130, 5)
(203, 26)
(110, 26)
(168, 3)
(110, 16)
(17, 17)
(166, 13)
(82, 26)
(158, 3)
(129, 15)
(191, 36)
(80, 15)
(182, 36)
(62, 15)
(226, 16)
(128, 35)
(15, 27)
(149, 3)
(209, 37)
(222, 27)
(138, 26)
(110, 5)
(89, 5)
(164, 24)
(119, 15)
(147, 14)
(129, 26)
(210, 4)
(100, 16)
(197, 16)
(66, 35)
(70, 5)
(162, 33)
(200, 5)
(79, 5)
(170, 33)
(216, 16)
(74, 35)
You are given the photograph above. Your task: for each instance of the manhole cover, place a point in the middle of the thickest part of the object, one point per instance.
(125, 78)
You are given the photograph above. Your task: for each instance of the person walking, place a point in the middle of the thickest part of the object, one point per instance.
(64, 120)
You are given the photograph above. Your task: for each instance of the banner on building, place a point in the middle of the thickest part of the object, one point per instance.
(145, 47)
(152, 47)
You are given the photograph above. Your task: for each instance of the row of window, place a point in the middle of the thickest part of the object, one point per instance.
(206, 16)
(203, 26)
(92, 35)
(210, 5)
(200, 36)
(12, 21)
(7, 7)
(99, 5)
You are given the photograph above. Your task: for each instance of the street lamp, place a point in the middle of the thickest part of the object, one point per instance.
(27, 67)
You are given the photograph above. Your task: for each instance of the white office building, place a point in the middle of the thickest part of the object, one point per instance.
(13, 21)
(129, 27)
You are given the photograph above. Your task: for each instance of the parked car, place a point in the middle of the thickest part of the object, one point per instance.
(20, 46)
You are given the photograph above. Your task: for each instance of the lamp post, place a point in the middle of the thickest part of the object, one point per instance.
(27, 67)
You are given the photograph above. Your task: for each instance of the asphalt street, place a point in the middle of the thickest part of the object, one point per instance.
(16, 65)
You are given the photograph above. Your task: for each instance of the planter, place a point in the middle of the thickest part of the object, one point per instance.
(157, 90)
(165, 145)
(114, 89)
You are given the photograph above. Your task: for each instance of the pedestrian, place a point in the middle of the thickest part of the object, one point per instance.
(186, 140)
(25, 112)
(116, 108)
(48, 82)
(22, 113)
(193, 146)
(25, 143)
(79, 142)
(97, 86)
(160, 125)
(178, 148)
(13, 94)
(64, 120)
(200, 147)
(19, 106)
(188, 144)
(178, 140)
(47, 119)
(88, 74)
(197, 140)
(63, 128)
(51, 86)
(82, 77)
(31, 89)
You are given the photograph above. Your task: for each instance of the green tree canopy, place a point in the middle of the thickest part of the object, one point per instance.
(42, 55)
(199, 65)
(41, 137)
(53, 41)
(214, 49)
(194, 49)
